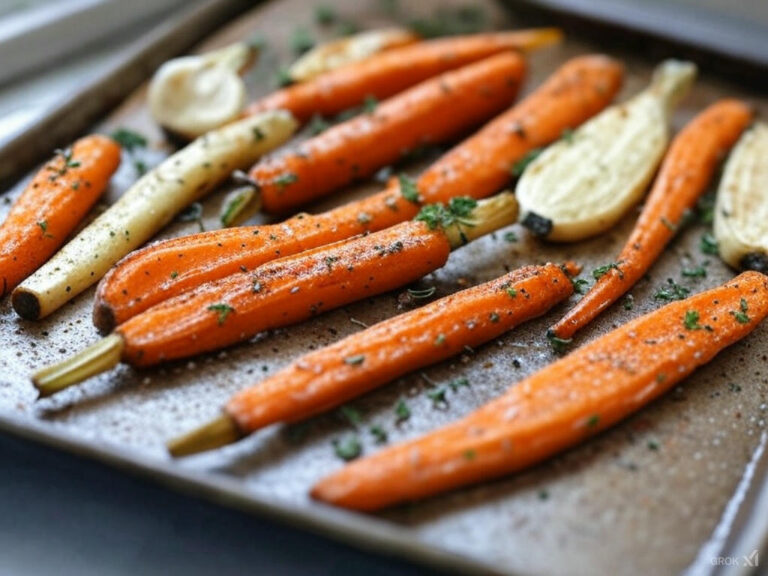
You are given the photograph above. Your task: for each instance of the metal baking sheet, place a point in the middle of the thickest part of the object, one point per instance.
(657, 494)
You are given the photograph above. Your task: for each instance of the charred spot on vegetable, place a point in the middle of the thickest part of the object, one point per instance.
(258, 134)
(348, 448)
(756, 261)
(222, 310)
(538, 225)
(192, 213)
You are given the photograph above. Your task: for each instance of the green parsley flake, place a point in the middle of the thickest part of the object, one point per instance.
(355, 360)
(408, 188)
(222, 310)
(348, 448)
(402, 412)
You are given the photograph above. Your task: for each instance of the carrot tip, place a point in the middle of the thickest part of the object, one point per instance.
(94, 359)
(104, 318)
(217, 433)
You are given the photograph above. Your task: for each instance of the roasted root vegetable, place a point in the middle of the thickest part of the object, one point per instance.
(146, 207)
(434, 111)
(52, 206)
(741, 210)
(392, 71)
(564, 404)
(478, 167)
(361, 362)
(583, 184)
(684, 176)
(343, 51)
(192, 95)
(288, 290)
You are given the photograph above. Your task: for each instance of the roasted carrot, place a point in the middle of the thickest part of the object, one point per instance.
(52, 206)
(477, 167)
(431, 112)
(361, 362)
(588, 391)
(288, 290)
(684, 176)
(392, 71)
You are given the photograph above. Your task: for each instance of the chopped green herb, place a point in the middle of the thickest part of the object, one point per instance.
(705, 209)
(369, 104)
(174, 275)
(695, 272)
(672, 291)
(402, 412)
(222, 311)
(580, 285)
(318, 125)
(283, 78)
(354, 360)
(494, 317)
(43, 224)
(128, 139)
(629, 302)
(669, 224)
(543, 494)
(661, 377)
(140, 166)
(653, 445)
(601, 271)
(691, 320)
(442, 216)
(438, 396)
(457, 383)
(593, 421)
(285, 179)
(325, 15)
(708, 244)
(470, 454)
(467, 19)
(440, 340)
(512, 292)
(329, 260)
(301, 41)
(408, 188)
(192, 213)
(379, 434)
(741, 315)
(567, 135)
(258, 134)
(351, 415)
(462, 206)
(559, 345)
(348, 448)
(520, 166)
(421, 294)
(511, 237)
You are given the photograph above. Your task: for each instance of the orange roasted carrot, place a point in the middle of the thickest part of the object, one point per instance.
(368, 359)
(434, 111)
(477, 167)
(52, 206)
(392, 71)
(589, 390)
(684, 176)
(287, 290)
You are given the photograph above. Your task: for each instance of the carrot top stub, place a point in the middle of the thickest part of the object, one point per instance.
(564, 404)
